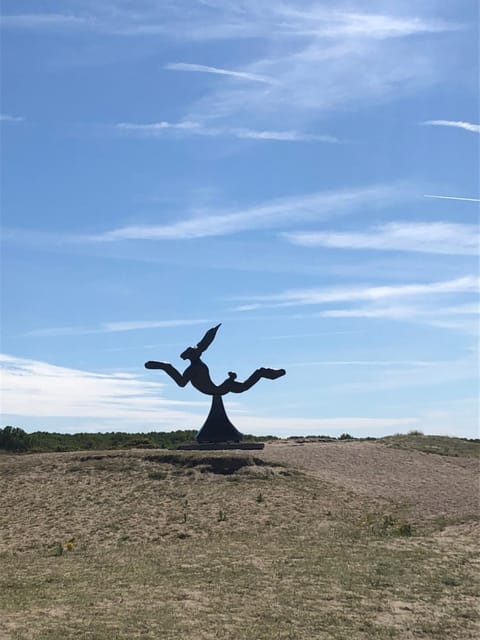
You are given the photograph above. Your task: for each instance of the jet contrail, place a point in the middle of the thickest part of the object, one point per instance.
(453, 198)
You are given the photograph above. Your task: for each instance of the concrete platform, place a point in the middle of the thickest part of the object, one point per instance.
(222, 446)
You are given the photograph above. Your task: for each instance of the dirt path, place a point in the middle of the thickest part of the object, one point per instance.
(434, 485)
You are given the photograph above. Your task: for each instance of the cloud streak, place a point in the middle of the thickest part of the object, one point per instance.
(6, 118)
(159, 129)
(466, 284)
(315, 56)
(115, 327)
(452, 198)
(326, 58)
(366, 363)
(89, 401)
(214, 21)
(458, 124)
(421, 303)
(201, 68)
(397, 377)
(271, 214)
(35, 388)
(45, 21)
(404, 312)
(434, 237)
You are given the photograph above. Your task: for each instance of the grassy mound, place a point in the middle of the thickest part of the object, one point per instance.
(441, 445)
(141, 544)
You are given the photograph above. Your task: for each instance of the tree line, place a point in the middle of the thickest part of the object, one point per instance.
(17, 440)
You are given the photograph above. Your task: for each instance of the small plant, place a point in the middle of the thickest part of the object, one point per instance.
(222, 516)
(57, 549)
(158, 475)
(260, 498)
(182, 535)
(388, 521)
(450, 581)
(391, 526)
(405, 529)
(70, 545)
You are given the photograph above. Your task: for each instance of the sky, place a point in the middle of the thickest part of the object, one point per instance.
(303, 172)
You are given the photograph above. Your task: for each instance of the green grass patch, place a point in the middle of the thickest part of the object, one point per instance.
(440, 445)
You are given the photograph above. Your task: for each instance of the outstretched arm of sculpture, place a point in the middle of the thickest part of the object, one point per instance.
(231, 384)
(180, 378)
(263, 372)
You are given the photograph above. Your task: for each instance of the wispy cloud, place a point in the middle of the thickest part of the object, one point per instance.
(461, 318)
(81, 400)
(431, 237)
(402, 312)
(452, 198)
(43, 21)
(281, 136)
(295, 336)
(205, 222)
(158, 129)
(396, 376)
(201, 68)
(319, 20)
(115, 327)
(467, 126)
(6, 118)
(35, 388)
(315, 56)
(424, 303)
(214, 20)
(366, 363)
(326, 58)
(271, 214)
(293, 297)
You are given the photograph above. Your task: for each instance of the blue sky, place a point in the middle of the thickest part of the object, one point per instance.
(305, 173)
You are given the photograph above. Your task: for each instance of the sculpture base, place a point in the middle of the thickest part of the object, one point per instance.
(222, 446)
(217, 428)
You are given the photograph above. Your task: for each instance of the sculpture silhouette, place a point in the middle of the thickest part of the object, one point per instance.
(217, 427)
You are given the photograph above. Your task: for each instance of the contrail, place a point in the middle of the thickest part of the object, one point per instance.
(453, 198)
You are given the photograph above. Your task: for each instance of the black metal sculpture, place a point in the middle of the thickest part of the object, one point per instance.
(217, 427)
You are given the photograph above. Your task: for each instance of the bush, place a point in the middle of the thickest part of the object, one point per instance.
(346, 436)
(14, 439)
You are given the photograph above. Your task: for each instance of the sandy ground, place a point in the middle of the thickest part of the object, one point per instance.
(125, 545)
(433, 485)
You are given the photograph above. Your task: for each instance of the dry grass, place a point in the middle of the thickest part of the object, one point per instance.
(282, 545)
(432, 486)
(441, 445)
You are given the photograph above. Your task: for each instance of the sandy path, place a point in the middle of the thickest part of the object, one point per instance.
(434, 485)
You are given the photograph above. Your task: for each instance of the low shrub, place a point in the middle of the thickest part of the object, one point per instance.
(14, 439)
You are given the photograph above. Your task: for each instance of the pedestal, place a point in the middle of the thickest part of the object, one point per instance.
(217, 427)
